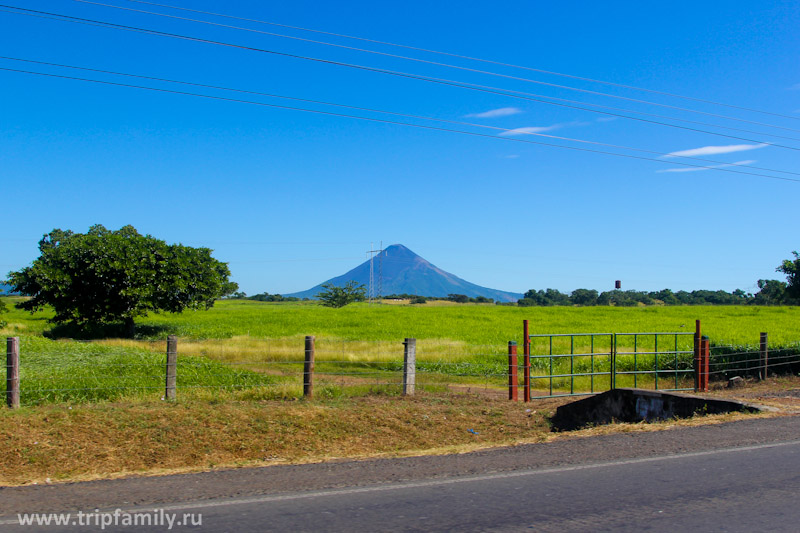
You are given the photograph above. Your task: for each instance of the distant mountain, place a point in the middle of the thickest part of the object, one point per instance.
(404, 272)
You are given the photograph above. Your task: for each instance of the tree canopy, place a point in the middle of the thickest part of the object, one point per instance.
(334, 296)
(792, 270)
(106, 276)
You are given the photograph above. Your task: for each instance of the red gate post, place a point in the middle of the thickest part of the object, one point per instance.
(513, 383)
(526, 357)
(697, 336)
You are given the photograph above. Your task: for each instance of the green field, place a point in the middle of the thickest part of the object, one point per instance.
(68, 372)
(470, 324)
(245, 345)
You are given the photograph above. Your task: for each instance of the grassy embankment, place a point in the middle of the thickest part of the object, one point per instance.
(56, 443)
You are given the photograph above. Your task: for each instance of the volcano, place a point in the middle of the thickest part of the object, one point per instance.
(401, 271)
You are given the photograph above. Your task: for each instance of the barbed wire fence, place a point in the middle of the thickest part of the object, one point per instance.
(288, 369)
(729, 360)
(265, 369)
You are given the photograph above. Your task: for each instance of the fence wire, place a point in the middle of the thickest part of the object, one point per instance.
(273, 368)
(730, 361)
(94, 371)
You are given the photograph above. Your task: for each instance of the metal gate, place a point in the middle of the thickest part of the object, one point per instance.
(574, 364)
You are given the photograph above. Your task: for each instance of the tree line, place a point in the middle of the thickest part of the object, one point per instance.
(770, 292)
(262, 297)
(773, 292)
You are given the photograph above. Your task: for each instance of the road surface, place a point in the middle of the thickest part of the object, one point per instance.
(741, 476)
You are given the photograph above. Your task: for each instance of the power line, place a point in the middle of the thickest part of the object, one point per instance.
(470, 86)
(407, 115)
(447, 65)
(666, 117)
(484, 72)
(461, 56)
(398, 123)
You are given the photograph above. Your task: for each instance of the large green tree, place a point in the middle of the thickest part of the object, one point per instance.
(772, 292)
(792, 270)
(105, 276)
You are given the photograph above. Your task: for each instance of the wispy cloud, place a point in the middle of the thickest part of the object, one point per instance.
(606, 119)
(715, 150)
(495, 113)
(529, 130)
(541, 129)
(511, 156)
(710, 167)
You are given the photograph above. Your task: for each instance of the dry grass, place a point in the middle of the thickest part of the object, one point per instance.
(781, 392)
(432, 303)
(244, 348)
(109, 440)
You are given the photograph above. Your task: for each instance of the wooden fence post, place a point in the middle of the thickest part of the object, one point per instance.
(172, 367)
(409, 366)
(526, 361)
(12, 372)
(308, 368)
(513, 383)
(764, 355)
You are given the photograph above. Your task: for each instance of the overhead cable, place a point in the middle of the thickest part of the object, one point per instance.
(398, 123)
(441, 81)
(395, 113)
(447, 65)
(470, 58)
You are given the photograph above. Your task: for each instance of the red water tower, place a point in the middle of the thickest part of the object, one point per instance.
(618, 284)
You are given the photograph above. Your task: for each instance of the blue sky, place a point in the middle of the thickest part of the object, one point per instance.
(291, 198)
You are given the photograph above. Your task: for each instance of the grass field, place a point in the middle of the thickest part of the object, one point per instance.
(468, 324)
(76, 372)
(258, 347)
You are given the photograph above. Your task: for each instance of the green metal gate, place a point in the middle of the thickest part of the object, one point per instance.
(574, 364)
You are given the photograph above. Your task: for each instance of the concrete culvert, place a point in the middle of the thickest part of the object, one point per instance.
(637, 405)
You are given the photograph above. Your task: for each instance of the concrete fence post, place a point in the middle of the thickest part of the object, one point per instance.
(697, 361)
(308, 368)
(172, 368)
(513, 380)
(12, 372)
(705, 355)
(764, 355)
(526, 361)
(409, 366)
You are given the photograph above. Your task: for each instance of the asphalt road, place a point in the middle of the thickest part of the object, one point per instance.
(742, 476)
